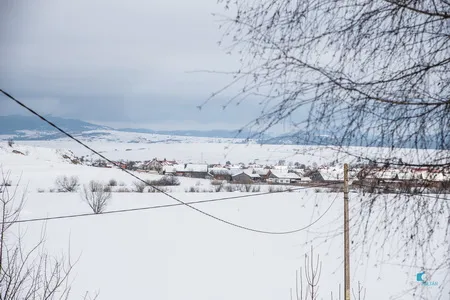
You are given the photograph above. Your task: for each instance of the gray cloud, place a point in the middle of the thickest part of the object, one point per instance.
(118, 62)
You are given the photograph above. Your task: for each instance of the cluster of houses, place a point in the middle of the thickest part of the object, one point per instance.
(282, 174)
(252, 173)
(395, 175)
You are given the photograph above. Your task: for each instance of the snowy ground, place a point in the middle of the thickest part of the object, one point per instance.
(133, 146)
(177, 253)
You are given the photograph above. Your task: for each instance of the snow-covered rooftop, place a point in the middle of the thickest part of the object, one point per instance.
(285, 175)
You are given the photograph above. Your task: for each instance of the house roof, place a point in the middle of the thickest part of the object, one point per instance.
(248, 174)
(335, 173)
(251, 174)
(299, 171)
(186, 168)
(234, 171)
(173, 168)
(261, 171)
(219, 171)
(196, 168)
(284, 175)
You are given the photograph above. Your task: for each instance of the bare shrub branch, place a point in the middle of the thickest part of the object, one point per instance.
(96, 195)
(139, 187)
(67, 184)
(28, 273)
(167, 180)
(312, 275)
(370, 73)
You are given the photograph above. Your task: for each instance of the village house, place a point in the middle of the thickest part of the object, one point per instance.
(403, 174)
(314, 175)
(245, 177)
(262, 172)
(196, 170)
(299, 172)
(282, 177)
(156, 164)
(332, 174)
(429, 174)
(234, 169)
(187, 170)
(219, 173)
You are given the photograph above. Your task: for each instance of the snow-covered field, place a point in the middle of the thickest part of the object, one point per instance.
(177, 253)
(141, 146)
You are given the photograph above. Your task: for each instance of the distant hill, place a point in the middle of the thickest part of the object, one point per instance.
(198, 133)
(23, 127)
(32, 128)
(12, 124)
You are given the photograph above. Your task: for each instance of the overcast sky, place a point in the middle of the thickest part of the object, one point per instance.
(120, 63)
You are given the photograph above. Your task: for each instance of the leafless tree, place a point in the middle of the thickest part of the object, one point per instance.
(368, 73)
(360, 294)
(312, 274)
(67, 184)
(96, 195)
(27, 274)
(308, 290)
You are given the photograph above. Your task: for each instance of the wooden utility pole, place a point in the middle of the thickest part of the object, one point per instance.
(346, 237)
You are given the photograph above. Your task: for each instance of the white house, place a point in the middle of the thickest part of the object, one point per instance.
(282, 177)
(188, 170)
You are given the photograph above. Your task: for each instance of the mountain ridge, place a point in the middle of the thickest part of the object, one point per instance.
(19, 127)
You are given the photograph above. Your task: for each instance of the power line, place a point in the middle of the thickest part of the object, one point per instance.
(140, 179)
(174, 205)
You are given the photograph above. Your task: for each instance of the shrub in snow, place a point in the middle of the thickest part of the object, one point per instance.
(166, 180)
(139, 186)
(256, 188)
(159, 190)
(40, 190)
(231, 188)
(275, 189)
(193, 189)
(217, 185)
(96, 195)
(123, 190)
(67, 184)
(112, 182)
(246, 187)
